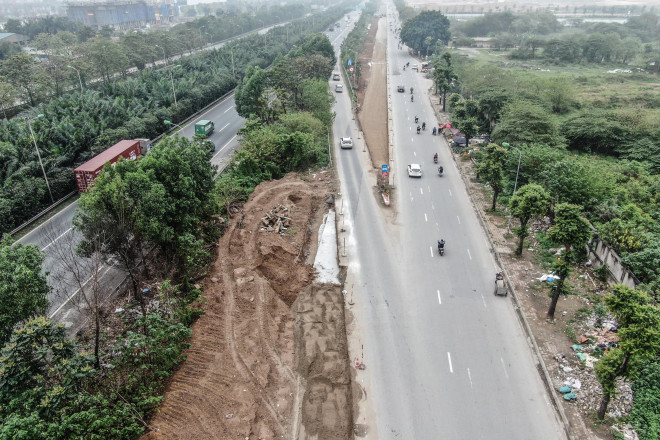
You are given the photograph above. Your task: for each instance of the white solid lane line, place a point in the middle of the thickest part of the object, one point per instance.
(439, 299)
(226, 125)
(77, 291)
(229, 109)
(60, 236)
(223, 147)
(432, 254)
(504, 368)
(451, 369)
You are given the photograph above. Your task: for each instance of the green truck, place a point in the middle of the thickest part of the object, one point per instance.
(204, 127)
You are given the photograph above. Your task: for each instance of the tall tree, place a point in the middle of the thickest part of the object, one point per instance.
(572, 230)
(443, 75)
(491, 169)
(639, 340)
(249, 94)
(24, 73)
(530, 201)
(23, 286)
(433, 24)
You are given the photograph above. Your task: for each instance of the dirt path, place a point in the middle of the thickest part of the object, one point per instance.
(373, 95)
(255, 370)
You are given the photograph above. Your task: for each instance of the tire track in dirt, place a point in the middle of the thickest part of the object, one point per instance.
(239, 362)
(241, 377)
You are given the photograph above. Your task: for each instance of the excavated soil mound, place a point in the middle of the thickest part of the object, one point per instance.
(243, 378)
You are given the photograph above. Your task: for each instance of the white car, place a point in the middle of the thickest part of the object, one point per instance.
(415, 67)
(414, 170)
(346, 142)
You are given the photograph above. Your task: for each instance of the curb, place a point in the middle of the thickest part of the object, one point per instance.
(543, 370)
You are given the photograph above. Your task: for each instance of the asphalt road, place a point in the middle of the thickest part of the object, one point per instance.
(445, 357)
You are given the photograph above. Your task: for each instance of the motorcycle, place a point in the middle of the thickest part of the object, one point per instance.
(418, 129)
(435, 159)
(412, 98)
(416, 119)
(440, 171)
(411, 90)
(423, 125)
(435, 131)
(441, 247)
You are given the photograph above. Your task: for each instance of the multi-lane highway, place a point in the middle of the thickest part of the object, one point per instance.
(446, 359)
(55, 236)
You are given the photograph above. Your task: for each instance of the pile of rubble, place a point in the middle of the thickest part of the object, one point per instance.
(276, 220)
(576, 378)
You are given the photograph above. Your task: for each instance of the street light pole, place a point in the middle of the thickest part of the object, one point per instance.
(40, 162)
(79, 80)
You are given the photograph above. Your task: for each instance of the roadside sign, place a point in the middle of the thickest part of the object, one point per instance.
(350, 69)
(385, 168)
(350, 62)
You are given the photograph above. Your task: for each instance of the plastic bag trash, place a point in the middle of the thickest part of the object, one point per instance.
(119, 310)
(549, 277)
(577, 347)
(581, 356)
(570, 396)
(565, 389)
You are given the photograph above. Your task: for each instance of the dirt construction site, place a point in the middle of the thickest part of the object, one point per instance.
(268, 359)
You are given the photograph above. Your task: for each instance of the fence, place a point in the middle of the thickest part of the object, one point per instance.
(617, 272)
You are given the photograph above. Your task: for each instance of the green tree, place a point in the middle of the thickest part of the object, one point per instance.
(106, 56)
(572, 230)
(443, 75)
(249, 93)
(491, 169)
(428, 24)
(530, 201)
(639, 340)
(24, 73)
(23, 286)
(523, 122)
(645, 411)
(318, 100)
(7, 96)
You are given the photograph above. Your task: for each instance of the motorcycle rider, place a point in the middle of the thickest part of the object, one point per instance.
(412, 98)
(435, 158)
(423, 125)
(411, 90)
(435, 131)
(441, 245)
(419, 129)
(440, 170)
(416, 119)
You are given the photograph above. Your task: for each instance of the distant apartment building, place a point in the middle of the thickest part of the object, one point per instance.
(121, 14)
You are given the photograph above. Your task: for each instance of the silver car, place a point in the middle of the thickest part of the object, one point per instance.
(346, 142)
(414, 170)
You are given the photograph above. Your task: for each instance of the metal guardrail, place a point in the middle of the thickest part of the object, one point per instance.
(42, 213)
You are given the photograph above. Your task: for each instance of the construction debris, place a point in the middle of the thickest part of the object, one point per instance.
(276, 220)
